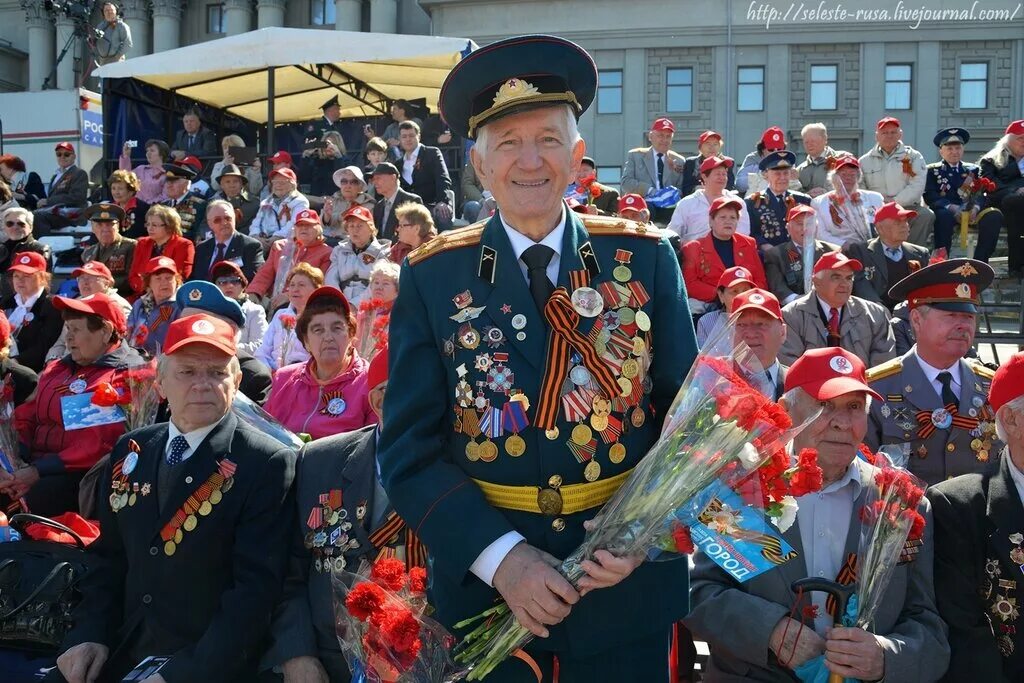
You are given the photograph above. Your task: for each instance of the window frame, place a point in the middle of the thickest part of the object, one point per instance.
(812, 82)
(909, 83)
(961, 81)
(604, 91)
(740, 85)
(219, 7)
(325, 4)
(669, 86)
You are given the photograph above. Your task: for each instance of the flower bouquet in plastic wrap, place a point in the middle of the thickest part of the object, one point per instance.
(9, 458)
(718, 431)
(382, 627)
(372, 323)
(250, 412)
(134, 394)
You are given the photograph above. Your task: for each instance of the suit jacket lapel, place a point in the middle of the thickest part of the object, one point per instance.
(651, 166)
(149, 458)
(1005, 511)
(358, 486)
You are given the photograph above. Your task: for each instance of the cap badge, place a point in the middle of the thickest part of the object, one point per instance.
(741, 272)
(964, 270)
(514, 89)
(202, 327)
(630, 201)
(195, 295)
(840, 365)
(756, 298)
(963, 290)
(24, 259)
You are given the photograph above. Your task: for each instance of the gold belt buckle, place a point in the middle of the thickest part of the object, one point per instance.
(549, 501)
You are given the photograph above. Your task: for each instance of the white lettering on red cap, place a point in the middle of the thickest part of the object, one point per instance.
(840, 365)
(202, 327)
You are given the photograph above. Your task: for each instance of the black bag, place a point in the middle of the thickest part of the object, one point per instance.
(38, 587)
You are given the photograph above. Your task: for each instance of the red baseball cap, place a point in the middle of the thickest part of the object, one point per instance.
(723, 202)
(757, 299)
(799, 210)
(378, 372)
(95, 304)
(5, 329)
(330, 293)
(773, 139)
(93, 268)
(307, 216)
(227, 268)
(360, 212)
(829, 372)
(1015, 128)
(707, 135)
(282, 157)
(200, 329)
(158, 263)
(834, 260)
(285, 173)
(711, 163)
(192, 162)
(29, 262)
(64, 147)
(893, 210)
(663, 124)
(632, 202)
(1008, 382)
(845, 160)
(734, 276)
(887, 121)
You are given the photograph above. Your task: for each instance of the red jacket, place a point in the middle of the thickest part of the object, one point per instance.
(317, 255)
(702, 267)
(178, 249)
(40, 424)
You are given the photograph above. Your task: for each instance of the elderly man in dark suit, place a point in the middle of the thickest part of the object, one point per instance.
(979, 549)
(784, 264)
(760, 325)
(888, 258)
(195, 515)
(423, 172)
(194, 139)
(226, 243)
(69, 189)
(390, 196)
(748, 626)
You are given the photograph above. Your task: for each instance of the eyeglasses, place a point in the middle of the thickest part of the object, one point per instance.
(221, 281)
(64, 155)
(20, 224)
(348, 181)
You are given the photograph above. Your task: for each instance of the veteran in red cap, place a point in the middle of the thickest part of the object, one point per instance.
(276, 217)
(845, 213)
(1004, 166)
(156, 308)
(35, 324)
(936, 412)
(757, 316)
(690, 216)
(655, 167)
(748, 178)
(979, 547)
(199, 506)
(826, 388)
(786, 265)
(69, 189)
(709, 144)
(734, 281)
(64, 433)
(830, 315)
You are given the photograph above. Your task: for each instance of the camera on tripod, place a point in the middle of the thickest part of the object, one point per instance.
(78, 11)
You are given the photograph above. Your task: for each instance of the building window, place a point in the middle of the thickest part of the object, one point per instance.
(609, 175)
(321, 12)
(824, 86)
(609, 91)
(679, 89)
(750, 89)
(897, 86)
(974, 85)
(215, 19)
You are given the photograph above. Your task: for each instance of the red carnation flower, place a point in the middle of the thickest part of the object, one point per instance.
(390, 573)
(418, 580)
(105, 395)
(364, 600)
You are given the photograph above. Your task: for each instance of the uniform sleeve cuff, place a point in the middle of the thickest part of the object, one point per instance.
(487, 562)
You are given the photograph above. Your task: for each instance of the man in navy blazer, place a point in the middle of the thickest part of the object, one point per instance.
(226, 244)
(422, 171)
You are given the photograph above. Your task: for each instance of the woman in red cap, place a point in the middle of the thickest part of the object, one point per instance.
(277, 213)
(353, 259)
(93, 278)
(16, 381)
(164, 227)
(156, 308)
(327, 394)
(35, 325)
(307, 246)
(58, 457)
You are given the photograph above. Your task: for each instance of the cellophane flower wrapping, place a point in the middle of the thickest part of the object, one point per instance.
(889, 519)
(719, 424)
(382, 626)
(250, 412)
(134, 392)
(10, 460)
(372, 324)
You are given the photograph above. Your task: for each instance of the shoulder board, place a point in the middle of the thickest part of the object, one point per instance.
(614, 225)
(884, 370)
(936, 164)
(981, 370)
(448, 240)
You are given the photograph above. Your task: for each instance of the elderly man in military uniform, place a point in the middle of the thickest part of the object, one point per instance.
(784, 263)
(936, 417)
(532, 359)
(887, 258)
(979, 549)
(946, 192)
(111, 248)
(768, 208)
(813, 170)
(897, 171)
(190, 207)
(321, 158)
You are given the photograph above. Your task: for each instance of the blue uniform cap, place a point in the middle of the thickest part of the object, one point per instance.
(205, 296)
(951, 135)
(782, 158)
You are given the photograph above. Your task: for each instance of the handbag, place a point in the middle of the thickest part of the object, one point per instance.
(39, 587)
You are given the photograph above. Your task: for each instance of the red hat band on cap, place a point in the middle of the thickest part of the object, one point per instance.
(944, 293)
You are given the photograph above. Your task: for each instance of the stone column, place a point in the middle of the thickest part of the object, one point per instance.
(136, 15)
(237, 16)
(384, 16)
(348, 15)
(270, 13)
(66, 68)
(40, 43)
(166, 24)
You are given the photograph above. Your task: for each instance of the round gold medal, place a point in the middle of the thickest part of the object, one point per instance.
(515, 445)
(169, 548)
(131, 500)
(190, 523)
(643, 321)
(472, 451)
(638, 346)
(637, 418)
(521, 398)
(630, 368)
(178, 535)
(626, 386)
(488, 451)
(599, 422)
(976, 445)
(982, 456)
(114, 499)
(617, 453)
(551, 434)
(592, 471)
(622, 273)
(216, 496)
(601, 405)
(626, 316)
(206, 508)
(581, 434)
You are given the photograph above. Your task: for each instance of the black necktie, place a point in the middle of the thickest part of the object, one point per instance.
(537, 259)
(661, 171)
(947, 389)
(220, 252)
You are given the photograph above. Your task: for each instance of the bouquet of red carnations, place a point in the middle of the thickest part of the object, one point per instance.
(382, 629)
(9, 458)
(372, 323)
(972, 191)
(134, 393)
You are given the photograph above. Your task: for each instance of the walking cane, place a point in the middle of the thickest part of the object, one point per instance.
(840, 593)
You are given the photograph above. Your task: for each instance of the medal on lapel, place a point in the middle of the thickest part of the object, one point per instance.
(621, 272)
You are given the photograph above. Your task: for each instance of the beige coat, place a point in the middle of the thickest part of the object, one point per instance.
(863, 330)
(886, 173)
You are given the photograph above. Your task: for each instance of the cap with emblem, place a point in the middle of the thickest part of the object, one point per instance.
(951, 285)
(707, 135)
(799, 210)
(663, 125)
(64, 147)
(284, 173)
(95, 304)
(1008, 382)
(845, 160)
(722, 202)
(282, 157)
(828, 372)
(177, 172)
(378, 372)
(893, 210)
(222, 268)
(515, 75)
(887, 121)
(779, 159)
(161, 263)
(96, 268)
(333, 102)
(201, 329)
(711, 163)
(735, 276)
(759, 300)
(951, 136)
(207, 297)
(1015, 128)
(28, 262)
(835, 260)
(308, 217)
(104, 213)
(632, 202)
(360, 212)
(773, 139)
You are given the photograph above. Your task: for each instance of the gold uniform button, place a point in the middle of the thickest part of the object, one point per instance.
(558, 524)
(555, 481)
(950, 447)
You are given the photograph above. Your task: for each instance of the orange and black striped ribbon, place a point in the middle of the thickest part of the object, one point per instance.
(579, 278)
(386, 533)
(565, 337)
(847, 575)
(924, 418)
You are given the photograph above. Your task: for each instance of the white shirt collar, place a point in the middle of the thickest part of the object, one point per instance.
(194, 438)
(553, 240)
(932, 373)
(1015, 474)
(827, 308)
(413, 154)
(27, 303)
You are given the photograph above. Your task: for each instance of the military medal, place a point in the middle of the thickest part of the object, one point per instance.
(520, 336)
(77, 386)
(515, 445)
(885, 410)
(551, 434)
(621, 272)
(488, 451)
(494, 337)
(514, 420)
(592, 471)
(643, 321)
(579, 375)
(468, 337)
(626, 386)
(941, 418)
(130, 462)
(630, 368)
(581, 434)
(637, 417)
(922, 451)
(977, 401)
(472, 451)
(587, 302)
(518, 321)
(467, 314)
(500, 378)
(599, 422)
(617, 453)
(626, 316)
(336, 406)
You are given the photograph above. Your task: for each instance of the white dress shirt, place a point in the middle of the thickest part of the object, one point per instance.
(194, 438)
(932, 373)
(690, 218)
(408, 163)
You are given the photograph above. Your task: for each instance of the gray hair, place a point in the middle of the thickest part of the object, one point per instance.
(814, 127)
(1000, 154)
(1017, 406)
(831, 174)
(386, 268)
(570, 125)
(228, 206)
(20, 211)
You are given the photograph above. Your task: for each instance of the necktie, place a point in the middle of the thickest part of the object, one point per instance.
(892, 253)
(948, 396)
(191, 141)
(221, 247)
(178, 447)
(833, 326)
(661, 171)
(537, 259)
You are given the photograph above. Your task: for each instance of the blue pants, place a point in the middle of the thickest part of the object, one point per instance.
(989, 225)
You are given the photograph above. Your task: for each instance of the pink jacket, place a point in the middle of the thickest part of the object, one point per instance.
(303, 405)
(317, 255)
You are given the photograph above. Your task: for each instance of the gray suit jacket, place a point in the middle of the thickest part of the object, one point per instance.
(863, 330)
(70, 190)
(872, 282)
(737, 619)
(639, 172)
